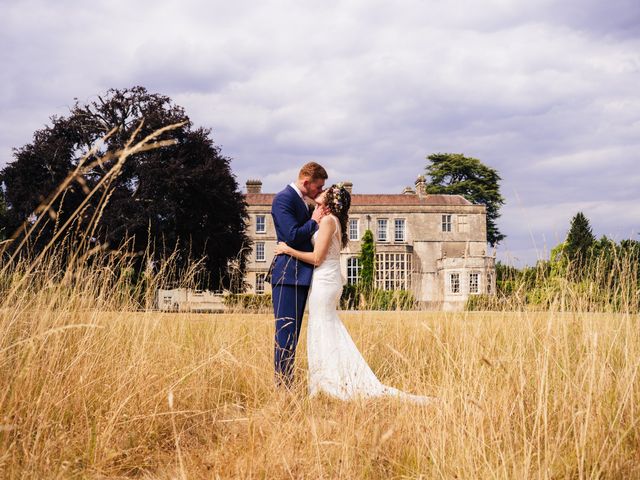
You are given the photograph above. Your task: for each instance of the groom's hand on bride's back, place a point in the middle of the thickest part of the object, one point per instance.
(281, 248)
(319, 212)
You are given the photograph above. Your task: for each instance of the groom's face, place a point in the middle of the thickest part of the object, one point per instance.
(314, 187)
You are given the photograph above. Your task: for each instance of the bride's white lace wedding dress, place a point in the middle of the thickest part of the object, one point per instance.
(336, 367)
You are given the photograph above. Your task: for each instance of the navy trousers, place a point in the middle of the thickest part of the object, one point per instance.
(288, 308)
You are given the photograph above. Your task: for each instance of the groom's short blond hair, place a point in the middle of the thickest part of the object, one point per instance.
(314, 171)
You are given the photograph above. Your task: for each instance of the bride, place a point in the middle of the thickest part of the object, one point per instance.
(336, 367)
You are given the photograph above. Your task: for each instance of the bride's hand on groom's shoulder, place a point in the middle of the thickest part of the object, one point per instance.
(281, 248)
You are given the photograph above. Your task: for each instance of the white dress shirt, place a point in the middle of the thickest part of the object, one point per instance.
(295, 187)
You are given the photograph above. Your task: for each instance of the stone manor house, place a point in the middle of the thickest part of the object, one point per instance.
(432, 245)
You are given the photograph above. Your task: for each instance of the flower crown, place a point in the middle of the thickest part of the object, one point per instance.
(338, 196)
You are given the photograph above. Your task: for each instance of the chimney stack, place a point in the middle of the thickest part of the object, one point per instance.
(421, 186)
(348, 186)
(408, 191)
(254, 186)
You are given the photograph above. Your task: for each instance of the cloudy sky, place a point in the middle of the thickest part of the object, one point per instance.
(548, 93)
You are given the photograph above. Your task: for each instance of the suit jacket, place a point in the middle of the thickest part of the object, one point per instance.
(294, 226)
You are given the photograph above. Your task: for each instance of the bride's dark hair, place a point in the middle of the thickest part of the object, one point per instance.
(338, 200)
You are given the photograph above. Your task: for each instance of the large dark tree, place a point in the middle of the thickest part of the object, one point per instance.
(181, 196)
(455, 174)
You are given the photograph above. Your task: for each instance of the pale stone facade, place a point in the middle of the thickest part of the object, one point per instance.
(433, 245)
(187, 300)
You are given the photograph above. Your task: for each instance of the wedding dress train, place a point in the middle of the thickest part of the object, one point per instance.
(336, 366)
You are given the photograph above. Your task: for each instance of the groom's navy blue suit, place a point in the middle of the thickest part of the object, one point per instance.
(290, 278)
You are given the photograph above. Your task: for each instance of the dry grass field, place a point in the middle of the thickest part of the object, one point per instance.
(90, 388)
(87, 393)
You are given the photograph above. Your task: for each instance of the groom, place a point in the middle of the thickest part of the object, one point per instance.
(291, 278)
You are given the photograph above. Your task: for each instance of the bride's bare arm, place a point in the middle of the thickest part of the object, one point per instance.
(326, 230)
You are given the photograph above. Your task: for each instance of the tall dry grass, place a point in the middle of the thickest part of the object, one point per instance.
(90, 388)
(85, 392)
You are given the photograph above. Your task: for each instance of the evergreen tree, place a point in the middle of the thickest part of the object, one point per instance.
(579, 239)
(367, 260)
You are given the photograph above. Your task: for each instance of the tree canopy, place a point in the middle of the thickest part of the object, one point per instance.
(455, 174)
(180, 197)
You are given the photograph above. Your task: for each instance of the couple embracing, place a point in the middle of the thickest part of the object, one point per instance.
(307, 266)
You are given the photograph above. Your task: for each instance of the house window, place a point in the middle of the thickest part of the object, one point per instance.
(399, 230)
(446, 223)
(393, 271)
(463, 226)
(353, 270)
(354, 234)
(260, 252)
(382, 229)
(261, 224)
(260, 283)
(454, 282)
(474, 282)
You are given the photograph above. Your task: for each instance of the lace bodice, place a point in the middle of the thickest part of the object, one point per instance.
(335, 247)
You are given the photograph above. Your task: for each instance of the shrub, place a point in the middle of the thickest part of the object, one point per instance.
(482, 302)
(248, 302)
(356, 297)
